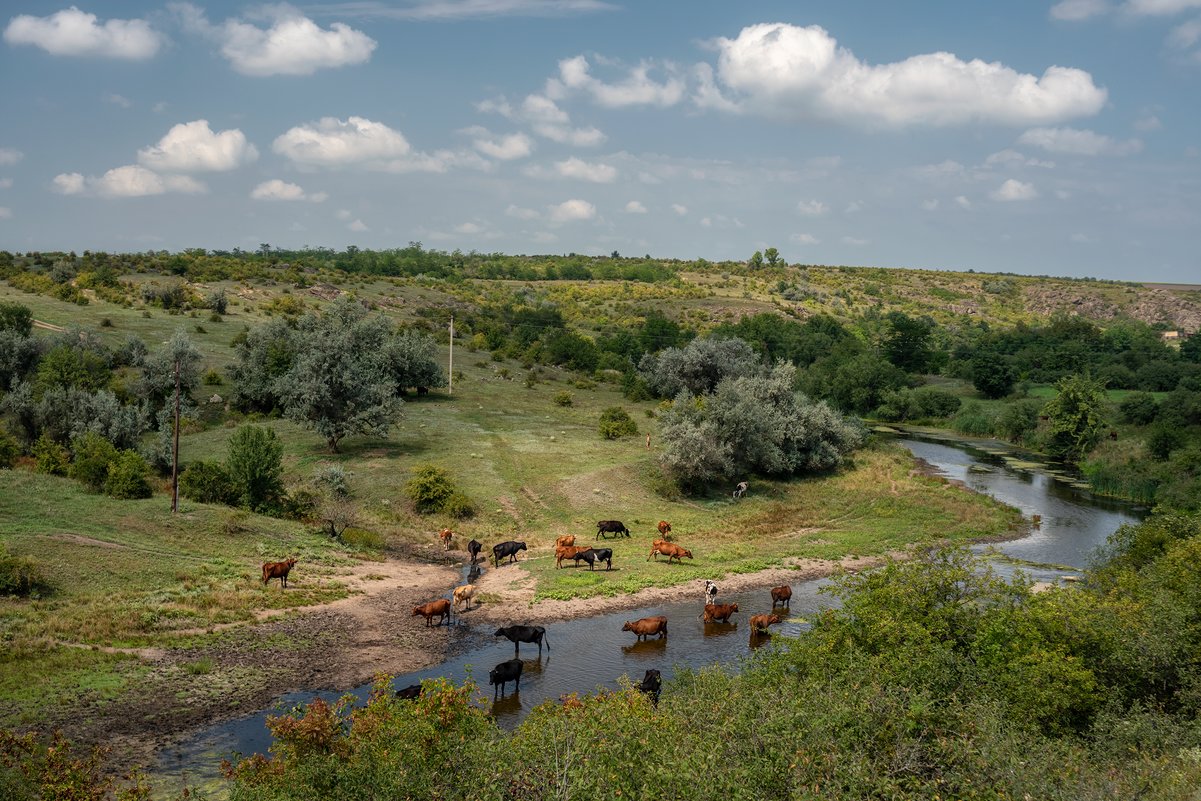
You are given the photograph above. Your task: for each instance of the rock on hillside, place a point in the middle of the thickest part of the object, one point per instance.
(1148, 304)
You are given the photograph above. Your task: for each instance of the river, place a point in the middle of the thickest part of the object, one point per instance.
(593, 653)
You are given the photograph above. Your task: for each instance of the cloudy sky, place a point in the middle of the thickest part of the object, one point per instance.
(1034, 137)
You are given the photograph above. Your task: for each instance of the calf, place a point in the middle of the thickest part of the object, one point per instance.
(781, 595)
(719, 612)
(669, 550)
(502, 549)
(608, 527)
(650, 685)
(440, 607)
(604, 555)
(520, 634)
(278, 570)
(665, 530)
(647, 626)
(410, 693)
(446, 535)
(759, 623)
(463, 595)
(565, 541)
(710, 592)
(474, 547)
(504, 673)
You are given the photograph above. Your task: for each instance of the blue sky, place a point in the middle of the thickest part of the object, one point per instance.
(1059, 138)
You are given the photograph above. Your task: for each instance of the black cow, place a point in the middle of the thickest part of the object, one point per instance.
(502, 549)
(474, 547)
(588, 556)
(608, 527)
(520, 634)
(604, 555)
(410, 693)
(650, 685)
(504, 673)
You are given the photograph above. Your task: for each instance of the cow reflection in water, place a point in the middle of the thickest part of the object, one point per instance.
(507, 706)
(645, 647)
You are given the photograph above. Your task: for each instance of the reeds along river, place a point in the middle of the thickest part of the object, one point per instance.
(592, 653)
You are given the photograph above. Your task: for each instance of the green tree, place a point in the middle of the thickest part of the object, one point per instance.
(698, 367)
(340, 381)
(264, 356)
(772, 256)
(127, 477)
(1190, 349)
(1077, 417)
(413, 360)
(16, 317)
(756, 260)
(255, 467)
(992, 374)
(907, 343)
(93, 455)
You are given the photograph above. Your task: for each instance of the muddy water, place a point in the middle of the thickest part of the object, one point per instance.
(592, 653)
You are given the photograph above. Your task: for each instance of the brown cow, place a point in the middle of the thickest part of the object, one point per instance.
(719, 612)
(446, 535)
(759, 623)
(565, 541)
(440, 607)
(669, 550)
(648, 626)
(567, 552)
(665, 530)
(781, 595)
(278, 570)
(464, 594)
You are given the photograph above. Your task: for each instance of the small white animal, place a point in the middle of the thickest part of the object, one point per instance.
(710, 592)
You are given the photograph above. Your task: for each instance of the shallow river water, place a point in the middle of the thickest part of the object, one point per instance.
(591, 653)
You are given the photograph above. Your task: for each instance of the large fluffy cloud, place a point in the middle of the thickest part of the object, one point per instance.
(131, 180)
(789, 71)
(502, 148)
(72, 32)
(193, 147)
(637, 89)
(572, 211)
(292, 45)
(1013, 190)
(331, 142)
(1079, 142)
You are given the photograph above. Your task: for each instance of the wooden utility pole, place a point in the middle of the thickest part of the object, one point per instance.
(175, 447)
(451, 368)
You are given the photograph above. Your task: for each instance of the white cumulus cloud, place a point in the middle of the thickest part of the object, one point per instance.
(132, 180)
(358, 226)
(584, 171)
(292, 44)
(193, 147)
(1076, 10)
(805, 239)
(1014, 189)
(811, 208)
(572, 211)
(1160, 8)
(331, 142)
(504, 148)
(521, 213)
(1078, 142)
(10, 155)
(634, 207)
(72, 32)
(275, 189)
(779, 69)
(545, 118)
(638, 89)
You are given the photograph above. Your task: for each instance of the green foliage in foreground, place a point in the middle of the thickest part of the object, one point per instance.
(933, 679)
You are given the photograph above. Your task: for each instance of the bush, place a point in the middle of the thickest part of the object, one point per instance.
(615, 423)
(212, 378)
(564, 398)
(10, 449)
(21, 576)
(973, 420)
(429, 488)
(207, 482)
(1019, 420)
(127, 477)
(459, 506)
(93, 455)
(1138, 408)
(50, 457)
(255, 467)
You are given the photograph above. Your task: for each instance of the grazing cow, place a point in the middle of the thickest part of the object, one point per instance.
(759, 623)
(647, 626)
(740, 490)
(474, 547)
(781, 595)
(669, 550)
(608, 527)
(504, 673)
(446, 535)
(588, 555)
(604, 555)
(440, 607)
(410, 693)
(710, 592)
(278, 570)
(665, 530)
(463, 595)
(565, 541)
(520, 634)
(650, 685)
(719, 612)
(566, 552)
(502, 549)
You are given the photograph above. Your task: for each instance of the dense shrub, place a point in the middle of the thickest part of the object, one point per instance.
(21, 575)
(616, 423)
(93, 455)
(255, 467)
(429, 488)
(1138, 408)
(972, 419)
(458, 506)
(127, 477)
(50, 457)
(564, 398)
(10, 449)
(1018, 421)
(207, 482)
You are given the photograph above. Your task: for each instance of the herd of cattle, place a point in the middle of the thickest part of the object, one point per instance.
(565, 549)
